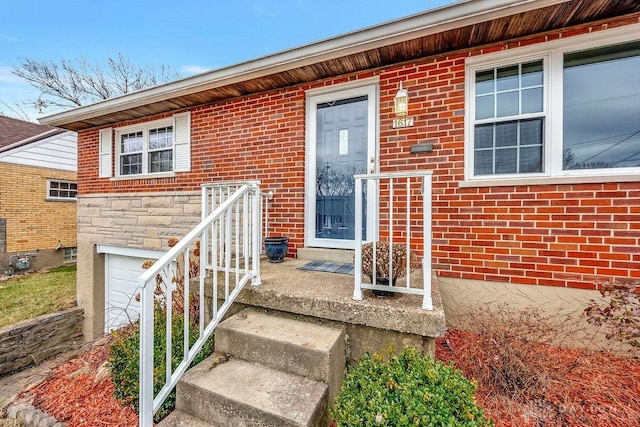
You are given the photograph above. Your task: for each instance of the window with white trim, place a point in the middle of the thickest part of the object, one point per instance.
(61, 190)
(602, 107)
(509, 119)
(144, 151)
(560, 109)
(153, 149)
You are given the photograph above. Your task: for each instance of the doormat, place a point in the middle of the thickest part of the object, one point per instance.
(328, 267)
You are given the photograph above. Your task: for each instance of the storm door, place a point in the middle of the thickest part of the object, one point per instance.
(342, 133)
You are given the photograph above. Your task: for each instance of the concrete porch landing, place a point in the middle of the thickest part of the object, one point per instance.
(371, 324)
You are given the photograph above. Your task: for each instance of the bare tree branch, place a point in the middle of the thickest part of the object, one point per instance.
(14, 110)
(72, 83)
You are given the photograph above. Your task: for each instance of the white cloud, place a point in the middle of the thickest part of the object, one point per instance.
(189, 70)
(9, 38)
(6, 76)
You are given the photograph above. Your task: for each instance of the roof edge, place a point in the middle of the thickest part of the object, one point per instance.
(32, 139)
(432, 21)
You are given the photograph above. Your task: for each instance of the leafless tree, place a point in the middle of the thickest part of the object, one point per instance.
(14, 109)
(73, 83)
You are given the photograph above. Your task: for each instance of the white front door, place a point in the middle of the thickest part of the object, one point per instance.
(341, 142)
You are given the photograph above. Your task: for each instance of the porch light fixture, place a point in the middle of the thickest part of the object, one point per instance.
(401, 102)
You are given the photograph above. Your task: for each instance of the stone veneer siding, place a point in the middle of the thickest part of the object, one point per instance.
(143, 221)
(31, 341)
(132, 220)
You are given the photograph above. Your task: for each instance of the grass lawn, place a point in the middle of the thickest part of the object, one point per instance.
(32, 295)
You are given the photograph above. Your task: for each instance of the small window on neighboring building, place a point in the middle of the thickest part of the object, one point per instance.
(70, 254)
(61, 190)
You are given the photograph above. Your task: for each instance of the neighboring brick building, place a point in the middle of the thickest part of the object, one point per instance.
(531, 186)
(37, 193)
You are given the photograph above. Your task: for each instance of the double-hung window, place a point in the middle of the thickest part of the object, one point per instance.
(146, 151)
(150, 149)
(509, 119)
(565, 110)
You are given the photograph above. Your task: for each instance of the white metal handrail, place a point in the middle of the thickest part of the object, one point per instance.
(214, 193)
(401, 210)
(228, 238)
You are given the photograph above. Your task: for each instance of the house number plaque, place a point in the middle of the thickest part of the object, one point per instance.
(402, 122)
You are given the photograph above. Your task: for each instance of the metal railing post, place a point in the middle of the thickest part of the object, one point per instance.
(392, 205)
(357, 290)
(146, 354)
(256, 240)
(427, 302)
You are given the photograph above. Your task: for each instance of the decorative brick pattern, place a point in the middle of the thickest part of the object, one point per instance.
(559, 235)
(32, 222)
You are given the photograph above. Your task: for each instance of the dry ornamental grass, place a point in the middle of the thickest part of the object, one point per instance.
(525, 380)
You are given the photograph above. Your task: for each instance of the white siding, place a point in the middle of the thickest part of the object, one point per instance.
(55, 152)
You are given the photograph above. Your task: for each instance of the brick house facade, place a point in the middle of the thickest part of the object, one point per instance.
(23, 191)
(553, 229)
(37, 194)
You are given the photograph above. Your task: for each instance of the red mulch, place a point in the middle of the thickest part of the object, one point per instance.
(72, 395)
(585, 388)
(591, 389)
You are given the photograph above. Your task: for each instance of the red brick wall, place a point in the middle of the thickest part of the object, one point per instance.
(559, 235)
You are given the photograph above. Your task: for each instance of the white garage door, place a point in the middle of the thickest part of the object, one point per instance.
(122, 273)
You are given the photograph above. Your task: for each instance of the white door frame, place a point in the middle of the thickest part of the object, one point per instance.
(370, 88)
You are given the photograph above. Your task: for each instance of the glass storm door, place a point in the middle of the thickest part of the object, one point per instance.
(341, 144)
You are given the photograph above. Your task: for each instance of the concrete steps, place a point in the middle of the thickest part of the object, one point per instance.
(181, 419)
(282, 372)
(301, 348)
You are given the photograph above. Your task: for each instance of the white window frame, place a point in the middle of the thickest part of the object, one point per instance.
(144, 128)
(59, 198)
(552, 54)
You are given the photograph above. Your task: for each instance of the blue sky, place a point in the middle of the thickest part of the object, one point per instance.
(188, 36)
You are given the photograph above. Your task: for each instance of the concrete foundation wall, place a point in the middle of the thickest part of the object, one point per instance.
(46, 258)
(3, 235)
(90, 289)
(31, 341)
(460, 297)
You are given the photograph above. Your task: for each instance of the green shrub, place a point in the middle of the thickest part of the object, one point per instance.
(408, 390)
(124, 359)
